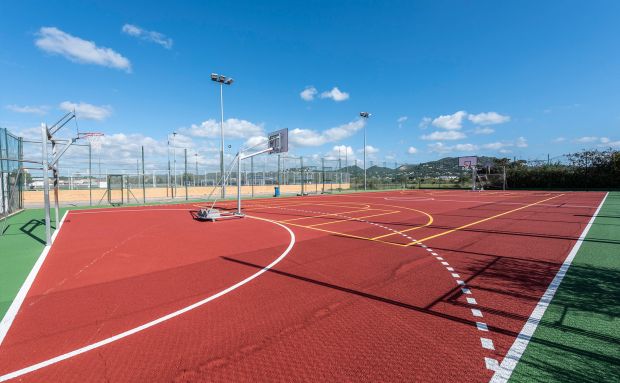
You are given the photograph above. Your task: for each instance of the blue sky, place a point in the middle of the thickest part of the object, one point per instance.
(521, 78)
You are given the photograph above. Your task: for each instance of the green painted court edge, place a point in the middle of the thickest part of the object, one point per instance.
(20, 247)
(578, 338)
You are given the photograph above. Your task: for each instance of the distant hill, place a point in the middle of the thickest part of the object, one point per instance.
(448, 166)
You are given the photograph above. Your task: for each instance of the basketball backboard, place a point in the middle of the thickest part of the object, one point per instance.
(468, 162)
(278, 141)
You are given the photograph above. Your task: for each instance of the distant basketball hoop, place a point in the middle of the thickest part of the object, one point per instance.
(468, 162)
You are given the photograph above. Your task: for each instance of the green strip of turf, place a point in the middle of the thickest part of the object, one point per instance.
(20, 246)
(578, 339)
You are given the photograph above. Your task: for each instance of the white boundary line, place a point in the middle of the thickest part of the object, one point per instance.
(157, 321)
(523, 339)
(10, 314)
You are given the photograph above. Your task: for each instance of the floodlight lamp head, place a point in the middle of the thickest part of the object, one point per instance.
(214, 76)
(365, 114)
(221, 78)
(229, 81)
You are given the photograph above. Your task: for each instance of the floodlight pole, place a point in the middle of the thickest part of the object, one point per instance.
(221, 79)
(222, 140)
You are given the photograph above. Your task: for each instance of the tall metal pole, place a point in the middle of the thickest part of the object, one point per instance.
(323, 173)
(303, 178)
(364, 157)
(185, 172)
(196, 173)
(90, 176)
(253, 176)
(174, 162)
(222, 142)
(279, 175)
(143, 180)
(168, 183)
(239, 183)
(346, 166)
(56, 176)
(46, 186)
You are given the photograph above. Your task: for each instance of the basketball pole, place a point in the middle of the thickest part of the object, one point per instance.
(46, 185)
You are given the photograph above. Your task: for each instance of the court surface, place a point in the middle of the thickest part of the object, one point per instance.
(409, 286)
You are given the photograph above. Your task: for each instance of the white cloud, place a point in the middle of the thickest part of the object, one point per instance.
(483, 130)
(412, 150)
(558, 140)
(308, 94)
(341, 151)
(401, 121)
(488, 118)
(40, 110)
(440, 147)
(87, 111)
(371, 149)
(586, 140)
(600, 141)
(425, 122)
(496, 145)
(450, 121)
(53, 40)
(307, 137)
(151, 36)
(520, 142)
(335, 94)
(233, 128)
(255, 141)
(445, 135)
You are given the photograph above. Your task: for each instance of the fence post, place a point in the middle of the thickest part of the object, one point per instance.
(90, 176)
(143, 180)
(323, 174)
(185, 175)
(303, 179)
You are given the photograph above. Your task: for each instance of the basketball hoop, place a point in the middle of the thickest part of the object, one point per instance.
(95, 139)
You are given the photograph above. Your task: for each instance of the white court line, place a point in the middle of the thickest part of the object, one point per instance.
(157, 321)
(10, 314)
(523, 339)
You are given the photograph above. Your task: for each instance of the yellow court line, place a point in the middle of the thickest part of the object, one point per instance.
(353, 218)
(480, 221)
(326, 215)
(346, 235)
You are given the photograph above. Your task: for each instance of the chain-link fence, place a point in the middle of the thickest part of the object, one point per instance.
(151, 174)
(11, 173)
(149, 177)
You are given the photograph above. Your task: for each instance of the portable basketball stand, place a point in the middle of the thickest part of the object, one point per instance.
(470, 163)
(277, 143)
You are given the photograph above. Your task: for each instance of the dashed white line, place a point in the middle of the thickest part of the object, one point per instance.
(491, 364)
(476, 313)
(487, 343)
